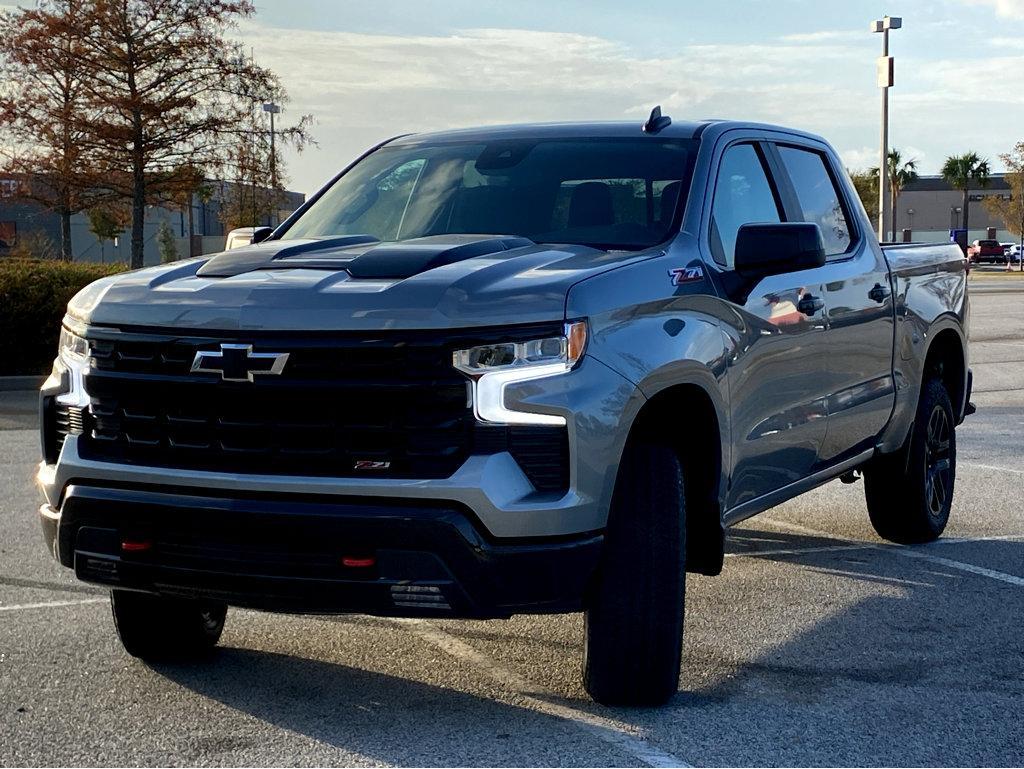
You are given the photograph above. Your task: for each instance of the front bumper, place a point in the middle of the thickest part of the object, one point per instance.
(599, 406)
(286, 553)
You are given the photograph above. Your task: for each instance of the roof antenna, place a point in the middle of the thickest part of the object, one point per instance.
(656, 121)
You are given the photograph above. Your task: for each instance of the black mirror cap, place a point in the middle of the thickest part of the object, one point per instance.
(774, 248)
(259, 234)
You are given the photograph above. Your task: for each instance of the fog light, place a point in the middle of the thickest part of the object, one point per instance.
(354, 562)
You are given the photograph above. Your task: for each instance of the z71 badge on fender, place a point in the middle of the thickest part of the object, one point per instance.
(681, 275)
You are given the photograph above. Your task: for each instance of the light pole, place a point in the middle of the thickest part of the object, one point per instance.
(885, 82)
(272, 109)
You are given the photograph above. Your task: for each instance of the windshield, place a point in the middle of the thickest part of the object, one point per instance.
(607, 193)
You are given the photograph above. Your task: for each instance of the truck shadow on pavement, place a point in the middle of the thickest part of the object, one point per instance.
(381, 717)
(858, 656)
(799, 653)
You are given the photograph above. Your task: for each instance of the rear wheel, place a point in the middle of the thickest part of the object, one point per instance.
(155, 628)
(909, 493)
(634, 617)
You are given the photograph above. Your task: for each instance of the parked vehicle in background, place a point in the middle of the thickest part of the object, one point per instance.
(1013, 253)
(986, 251)
(244, 236)
(505, 370)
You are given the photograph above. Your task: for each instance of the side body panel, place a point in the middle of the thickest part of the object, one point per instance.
(777, 356)
(860, 318)
(931, 297)
(656, 334)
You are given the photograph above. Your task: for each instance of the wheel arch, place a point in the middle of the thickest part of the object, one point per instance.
(687, 418)
(946, 358)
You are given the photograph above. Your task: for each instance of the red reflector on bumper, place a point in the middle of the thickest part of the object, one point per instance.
(358, 563)
(135, 545)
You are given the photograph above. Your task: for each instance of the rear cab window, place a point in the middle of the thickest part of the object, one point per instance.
(818, 196)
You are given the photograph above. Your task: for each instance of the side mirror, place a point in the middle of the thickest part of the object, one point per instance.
(259, 234)
(773, 249)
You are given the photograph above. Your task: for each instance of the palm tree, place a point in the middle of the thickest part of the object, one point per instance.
(960, 170)
(900, 175)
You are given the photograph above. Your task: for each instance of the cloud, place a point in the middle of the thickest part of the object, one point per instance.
(364, 87)
(824, 35)
(859, 159)
(1007, 9)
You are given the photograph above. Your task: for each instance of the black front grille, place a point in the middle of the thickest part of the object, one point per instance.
(344, 405)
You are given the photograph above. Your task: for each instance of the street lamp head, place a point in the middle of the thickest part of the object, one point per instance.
(886, 23)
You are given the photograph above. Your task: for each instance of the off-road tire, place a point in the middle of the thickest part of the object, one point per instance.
(634, 617)
(163, 629)
(909, 493)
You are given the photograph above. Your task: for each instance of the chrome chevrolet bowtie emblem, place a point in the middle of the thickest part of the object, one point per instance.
(238, 363)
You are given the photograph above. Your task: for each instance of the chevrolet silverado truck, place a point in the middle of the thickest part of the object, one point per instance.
(521, 369)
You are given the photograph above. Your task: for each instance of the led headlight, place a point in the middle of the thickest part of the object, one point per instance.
(73, 354)
(493, 367)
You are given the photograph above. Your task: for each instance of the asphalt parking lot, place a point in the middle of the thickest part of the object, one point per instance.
(819, 644)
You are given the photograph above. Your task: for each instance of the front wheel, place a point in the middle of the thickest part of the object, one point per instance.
(634, 618)
(909, 494)
(158, 629)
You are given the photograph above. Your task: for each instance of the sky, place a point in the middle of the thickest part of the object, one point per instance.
(367, 71)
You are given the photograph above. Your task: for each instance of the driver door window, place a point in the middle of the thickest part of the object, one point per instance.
(743, 195)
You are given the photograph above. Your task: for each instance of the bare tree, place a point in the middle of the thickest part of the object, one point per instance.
(170, 91)
(1011, 210)
(43, 109)
(253, 166)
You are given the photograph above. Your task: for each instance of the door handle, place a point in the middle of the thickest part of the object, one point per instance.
(810, 304)
(879, 293)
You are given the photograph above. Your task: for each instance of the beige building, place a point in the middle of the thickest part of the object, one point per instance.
(930, 208)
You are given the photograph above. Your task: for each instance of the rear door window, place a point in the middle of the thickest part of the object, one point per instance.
(818, 197)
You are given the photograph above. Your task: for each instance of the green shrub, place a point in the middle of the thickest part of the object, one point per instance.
(33, 298)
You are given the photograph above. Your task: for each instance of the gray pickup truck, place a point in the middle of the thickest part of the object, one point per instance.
(523, 369)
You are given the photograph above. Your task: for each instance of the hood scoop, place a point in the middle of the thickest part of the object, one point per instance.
(395, 261)
(361, 255)
(261, 256)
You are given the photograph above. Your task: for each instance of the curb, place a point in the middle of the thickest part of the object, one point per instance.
(11, 383)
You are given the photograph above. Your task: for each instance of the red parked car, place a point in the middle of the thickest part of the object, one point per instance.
(986, 251)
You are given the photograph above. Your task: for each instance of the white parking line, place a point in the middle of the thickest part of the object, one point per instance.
(623, 736)
(969, 567)
(53, 604)
(994, 467)
(907, 552)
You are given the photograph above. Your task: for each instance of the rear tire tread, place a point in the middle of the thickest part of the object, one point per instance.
(895, 485)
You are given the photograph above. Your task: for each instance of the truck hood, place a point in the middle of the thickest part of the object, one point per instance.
(338, 285)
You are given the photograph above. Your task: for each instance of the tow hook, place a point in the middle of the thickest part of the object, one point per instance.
(850, 476)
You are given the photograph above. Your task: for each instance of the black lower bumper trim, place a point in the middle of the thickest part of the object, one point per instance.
(284, 554)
